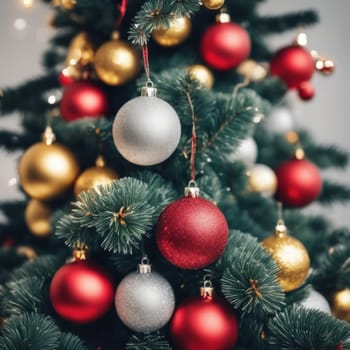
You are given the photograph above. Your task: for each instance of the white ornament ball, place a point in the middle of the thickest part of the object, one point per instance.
(280, 120)
(316, 300)
(146, 130)
(262, 179)
(246, 152)
(144, 302)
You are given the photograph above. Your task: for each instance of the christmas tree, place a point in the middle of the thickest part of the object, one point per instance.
(166, 186)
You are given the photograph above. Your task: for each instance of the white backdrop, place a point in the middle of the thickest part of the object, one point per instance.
(326, 116)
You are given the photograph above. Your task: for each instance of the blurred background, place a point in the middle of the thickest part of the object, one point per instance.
(25, 33)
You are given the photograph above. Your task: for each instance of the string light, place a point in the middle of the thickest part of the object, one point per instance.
(27, 3)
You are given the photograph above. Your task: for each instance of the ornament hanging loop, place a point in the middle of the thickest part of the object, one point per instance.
(207, 289)
(144, 266)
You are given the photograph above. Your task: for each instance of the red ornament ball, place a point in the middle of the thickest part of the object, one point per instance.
(81, 292)
(204, 324)
(225, 45)
(83, 99)
(306, 91)
(293, 64)
(191, 233)
(299, 182)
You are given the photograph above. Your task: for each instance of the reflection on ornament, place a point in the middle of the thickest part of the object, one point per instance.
(246, 152)
(178, 31)
(290, 256)
(146, 129)
(340, 303)
(262, 179)
(317, 301)
(38, 218)
(191, 232)
(144, 300)
(95, 176)
(117, 62)
(47, 171)
(201, 73)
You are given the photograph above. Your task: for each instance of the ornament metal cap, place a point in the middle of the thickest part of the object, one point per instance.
(223, 17)
(207, 290)
(280, 229)
(80, 252)
(149, 90)
(192, 190)
(49, 136)
(100, 161)
(145, 266)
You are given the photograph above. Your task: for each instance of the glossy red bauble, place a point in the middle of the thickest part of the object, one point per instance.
(191, 233)
(204, 324)
(299, 183)
(83, 99)
(293, 64)
(81, 292)
(306, 91)
(225, 45)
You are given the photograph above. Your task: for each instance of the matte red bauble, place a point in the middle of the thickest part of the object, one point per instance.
(83, 99)
(191, 233)
(293, 64)
(81, 292)
(225, 45)
(306, 91)
(204, 324)
(299, 182)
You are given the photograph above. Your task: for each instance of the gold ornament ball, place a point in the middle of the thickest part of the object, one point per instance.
(47, 171)
(340, 304)
(93, 177)
(80, 51)
(38, 218)
(213, 4)
(201, 73)
(117, 62)
(252, 70)
(178, 31)
(291, 257)
(262, 179)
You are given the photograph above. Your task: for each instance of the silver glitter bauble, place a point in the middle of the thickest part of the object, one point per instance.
(246, 152)
(280, 120)
(144, 301)
(146, 130)
(316, 300)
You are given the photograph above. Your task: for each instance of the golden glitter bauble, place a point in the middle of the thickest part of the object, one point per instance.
(252, 70)
(340, 304)
(291, 257)
(46, 171)
(201, 73)
(178, 31)
(262, 179)
(27, 252)
(80, 51)
(213, 4)
(95, 176)
(117, 62)
(38, 218)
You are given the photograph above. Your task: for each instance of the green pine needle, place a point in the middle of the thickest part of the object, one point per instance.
(71, 342)
(30, 331)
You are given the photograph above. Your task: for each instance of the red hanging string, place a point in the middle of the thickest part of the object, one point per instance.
(122, 10)
(193, 140)
(145, 61)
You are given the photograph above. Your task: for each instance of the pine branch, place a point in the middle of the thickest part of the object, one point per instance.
(69, 341)
(147, 342)
(298, 328)
(333, 192)
(249, 281)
